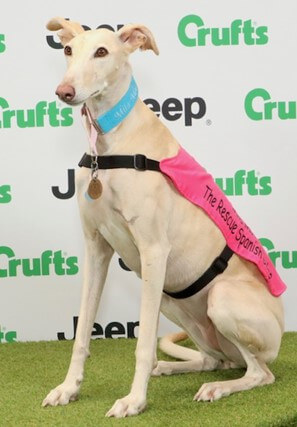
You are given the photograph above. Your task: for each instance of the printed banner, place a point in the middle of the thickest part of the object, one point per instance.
(224, 84)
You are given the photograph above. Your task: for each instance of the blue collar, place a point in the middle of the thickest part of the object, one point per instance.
(120, 111)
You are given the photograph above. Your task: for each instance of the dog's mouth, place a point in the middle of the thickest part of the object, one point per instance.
(67, 94)
(96, 93)
(76, 101)
(81, 101)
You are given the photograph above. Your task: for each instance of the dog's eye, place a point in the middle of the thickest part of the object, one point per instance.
(101, 52)
(67, 50)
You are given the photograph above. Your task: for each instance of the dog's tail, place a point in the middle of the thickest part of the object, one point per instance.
(168, 346)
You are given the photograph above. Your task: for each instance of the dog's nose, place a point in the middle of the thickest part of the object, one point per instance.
(65, 92)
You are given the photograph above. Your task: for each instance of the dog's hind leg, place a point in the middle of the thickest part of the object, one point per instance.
(249, 326)
(192, 360)
(97, 257)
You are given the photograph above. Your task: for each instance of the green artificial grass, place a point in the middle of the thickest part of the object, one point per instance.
(30, 370)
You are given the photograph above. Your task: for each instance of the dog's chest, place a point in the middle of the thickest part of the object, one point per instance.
(115, 212)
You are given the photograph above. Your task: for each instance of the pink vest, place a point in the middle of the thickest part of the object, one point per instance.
(194, 183)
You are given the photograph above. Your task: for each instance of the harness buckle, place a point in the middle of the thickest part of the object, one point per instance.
(219, 265)
(140, 162)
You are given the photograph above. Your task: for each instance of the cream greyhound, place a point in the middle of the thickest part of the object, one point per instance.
(165, 239)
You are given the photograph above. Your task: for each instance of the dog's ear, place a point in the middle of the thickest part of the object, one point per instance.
(137, 36)
(69, 29)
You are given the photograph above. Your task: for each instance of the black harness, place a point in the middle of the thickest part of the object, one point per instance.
(140, 162)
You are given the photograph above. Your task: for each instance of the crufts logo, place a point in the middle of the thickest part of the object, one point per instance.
(192, 32)
(287, 259)
(245, 181)
(35, 117)
(49, 262)
(2, 43)
(258, 106)
(112, 330)
(7, 336)
(5, 194)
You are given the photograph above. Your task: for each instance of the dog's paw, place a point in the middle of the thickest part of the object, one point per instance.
(162, 368)
(209, 392)
(126, 407)
(61, 395)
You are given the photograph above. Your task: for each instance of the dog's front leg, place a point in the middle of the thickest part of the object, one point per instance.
(153, 262)
(97, 257)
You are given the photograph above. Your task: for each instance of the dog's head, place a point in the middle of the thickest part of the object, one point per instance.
(96, 59)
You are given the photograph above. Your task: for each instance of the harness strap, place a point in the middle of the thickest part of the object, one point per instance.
(217, 267)
(139, 162)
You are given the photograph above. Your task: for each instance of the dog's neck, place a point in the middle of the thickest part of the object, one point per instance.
(99, 105)
(110, 95)
(131, 135)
